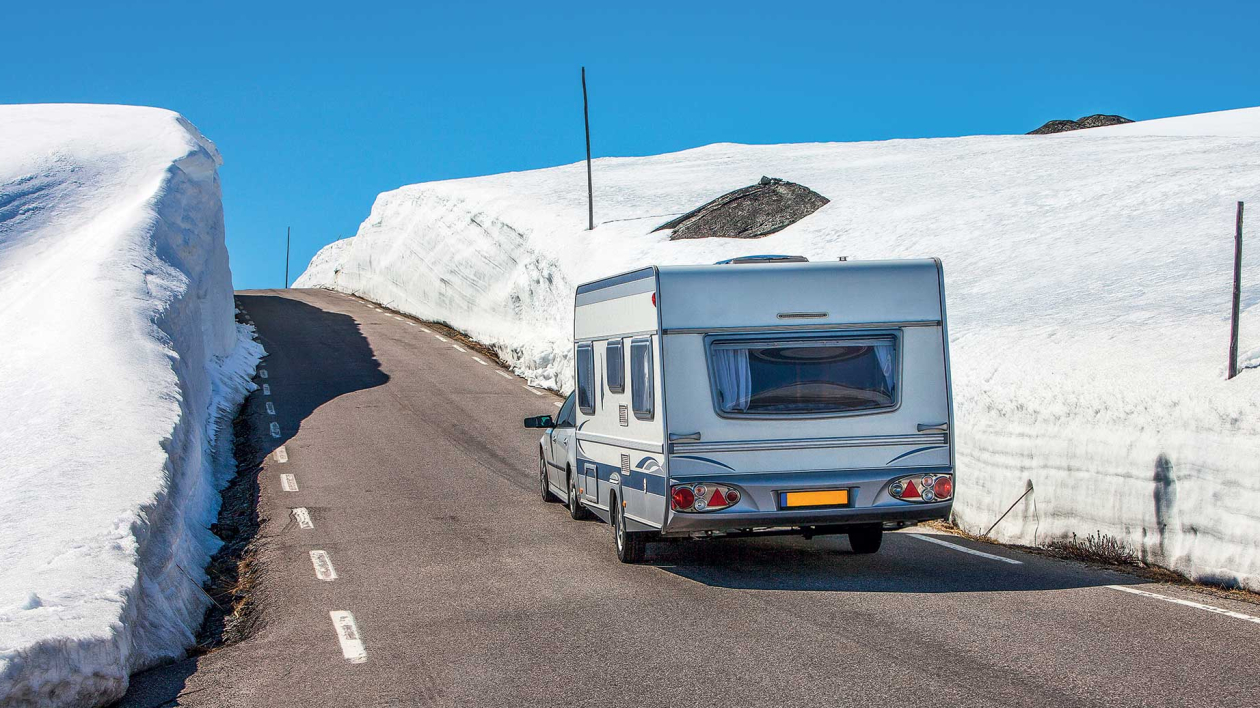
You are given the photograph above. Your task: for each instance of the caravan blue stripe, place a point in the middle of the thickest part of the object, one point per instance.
(656, 484)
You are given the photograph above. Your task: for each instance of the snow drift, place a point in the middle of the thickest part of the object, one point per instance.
(1088, 274)
(122, 364)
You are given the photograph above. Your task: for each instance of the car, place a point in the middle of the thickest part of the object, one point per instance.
(557, 458)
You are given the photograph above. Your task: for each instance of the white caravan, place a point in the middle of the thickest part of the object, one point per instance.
(759, 395)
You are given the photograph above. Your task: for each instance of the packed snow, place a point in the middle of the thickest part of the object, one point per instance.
(123, 364)
(1088, 274)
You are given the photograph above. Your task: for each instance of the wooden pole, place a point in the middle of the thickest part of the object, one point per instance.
(1233, 323)
(590, 191)
(287, 233)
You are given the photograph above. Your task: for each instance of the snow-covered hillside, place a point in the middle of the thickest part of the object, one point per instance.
(1088, 278)
(122, 360)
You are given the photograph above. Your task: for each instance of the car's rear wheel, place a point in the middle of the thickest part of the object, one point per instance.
(866, 539)
(577, 512)
(631, 547)
(547, 496)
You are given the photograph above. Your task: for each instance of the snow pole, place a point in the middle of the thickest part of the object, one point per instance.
(1233, 323)
(288, 231)
(590, 192)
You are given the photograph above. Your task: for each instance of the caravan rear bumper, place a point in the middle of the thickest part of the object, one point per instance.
(759, 509)
(688, 524)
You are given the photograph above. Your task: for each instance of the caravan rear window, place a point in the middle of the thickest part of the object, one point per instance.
(809, 376)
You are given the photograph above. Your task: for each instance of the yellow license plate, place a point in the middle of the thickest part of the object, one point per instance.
(830, 497)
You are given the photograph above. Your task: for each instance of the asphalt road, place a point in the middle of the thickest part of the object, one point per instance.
(467, 590)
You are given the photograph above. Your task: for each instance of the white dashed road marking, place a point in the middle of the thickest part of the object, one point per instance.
(1187, 603)
(348, 634)
(275, 430)
(459, 348)
(964, 549)
(425, 330)
(535, 392)
(378, 309)
(411, 324)
(479, 361)
(441, 338)
(271, 408)
(303, 517)
(504, 374)
(281, 455)
(323, 566)
(558, 404)
(398, 318)
(266, 389)
(288, 483)
(262, 373)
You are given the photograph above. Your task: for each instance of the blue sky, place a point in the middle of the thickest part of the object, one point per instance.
(318, 107)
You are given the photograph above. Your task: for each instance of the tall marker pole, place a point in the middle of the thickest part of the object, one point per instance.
(1233, 324)
(287, 233)
(590, 192)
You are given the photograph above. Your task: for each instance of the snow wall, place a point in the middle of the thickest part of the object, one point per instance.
(1088, 278)
(123, 367)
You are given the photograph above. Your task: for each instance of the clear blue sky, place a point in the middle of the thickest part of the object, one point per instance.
(318, 107)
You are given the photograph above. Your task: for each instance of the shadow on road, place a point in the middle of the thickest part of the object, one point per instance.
(827, 564)
(313, 357)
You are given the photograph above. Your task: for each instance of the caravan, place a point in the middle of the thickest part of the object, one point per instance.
(759, 395)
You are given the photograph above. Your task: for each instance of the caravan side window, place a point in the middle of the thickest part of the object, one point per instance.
(641, 397)
(616, 367)
(586, 378)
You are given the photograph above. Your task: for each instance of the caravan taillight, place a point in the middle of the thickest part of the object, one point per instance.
(923, 488)
(653, 299)
(703, 497)
(683, 498)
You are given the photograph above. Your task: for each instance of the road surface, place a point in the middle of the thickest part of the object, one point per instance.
(464, 589)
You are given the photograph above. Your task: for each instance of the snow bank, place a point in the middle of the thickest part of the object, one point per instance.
(1088, 278)
(122, 363)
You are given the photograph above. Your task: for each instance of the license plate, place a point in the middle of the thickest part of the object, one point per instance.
(814, 499)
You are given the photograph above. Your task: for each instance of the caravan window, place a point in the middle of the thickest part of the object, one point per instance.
(616, 367)
(809, 376)
(641, 397)
(586, 378)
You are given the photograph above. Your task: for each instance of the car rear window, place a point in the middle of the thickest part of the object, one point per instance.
(808, 376)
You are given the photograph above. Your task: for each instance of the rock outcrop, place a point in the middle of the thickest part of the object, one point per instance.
(751, 212)
(1095, 121)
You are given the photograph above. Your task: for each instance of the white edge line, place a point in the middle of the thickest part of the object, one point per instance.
(348, 634)
(1187, 603)
(964, 549)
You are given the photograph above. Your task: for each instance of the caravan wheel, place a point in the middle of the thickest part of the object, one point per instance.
(631, 547)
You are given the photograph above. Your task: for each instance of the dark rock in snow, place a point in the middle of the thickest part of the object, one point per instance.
(1095, 121)
(751, 212)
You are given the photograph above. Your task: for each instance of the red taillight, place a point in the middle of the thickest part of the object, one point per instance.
(929, 488)
(700, 498)
(653, 299)
(684, 498)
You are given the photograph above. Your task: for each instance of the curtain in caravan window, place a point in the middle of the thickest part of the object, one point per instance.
(805, 376)
(732, 378)
(586, 378)
(641, 397)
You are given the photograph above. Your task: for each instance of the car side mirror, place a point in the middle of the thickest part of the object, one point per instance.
(540, 421)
